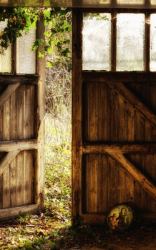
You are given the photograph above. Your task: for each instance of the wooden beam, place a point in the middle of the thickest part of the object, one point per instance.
(102, 76)
(93, 219)
(40, 119)
(8, 146)
(7, 160)
(22, 79)
(15, 211)
(99, 219)
(140, 106)
(8, 92)
(147, 185)
(124, 148)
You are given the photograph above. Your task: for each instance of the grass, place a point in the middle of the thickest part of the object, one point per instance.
(58, 168)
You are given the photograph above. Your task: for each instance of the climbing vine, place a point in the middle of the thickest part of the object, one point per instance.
(57, 23)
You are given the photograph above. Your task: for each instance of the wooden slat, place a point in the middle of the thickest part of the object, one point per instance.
(8, 146)
(10, 212)
(134, 172)
(124, 148)
(8, 92)
(101, 76)
(7, 160)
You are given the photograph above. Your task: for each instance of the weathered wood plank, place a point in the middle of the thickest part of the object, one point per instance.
(9, 146)
(10, 212)
(124, 148)
(133, 171)
(101, 76)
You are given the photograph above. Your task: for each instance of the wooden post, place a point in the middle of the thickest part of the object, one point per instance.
(39, 199)
(76, 114)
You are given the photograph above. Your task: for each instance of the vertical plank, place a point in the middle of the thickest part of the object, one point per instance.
(76, 112)
(13, 136)
(20, 135)
(28, 166)
(6, 136)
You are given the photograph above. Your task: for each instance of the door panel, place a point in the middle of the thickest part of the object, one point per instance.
(22, 130)
(114, 128)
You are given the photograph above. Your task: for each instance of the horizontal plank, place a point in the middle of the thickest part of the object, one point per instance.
(93, 218)
(101, 218)
(102, 76)
(124, 148)
(22, 79)
(8, 146)
(99, 5)
(12, 212)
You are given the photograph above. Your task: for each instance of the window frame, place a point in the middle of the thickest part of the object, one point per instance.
(114, 11)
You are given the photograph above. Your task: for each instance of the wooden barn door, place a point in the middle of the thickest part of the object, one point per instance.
(114, 112)
(21, 128)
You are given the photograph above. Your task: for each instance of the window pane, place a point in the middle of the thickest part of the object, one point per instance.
(96, 41)
(26, 58)
(130, 2)
(153, 43)
(5, 58)
(130, 42)
(153, 2)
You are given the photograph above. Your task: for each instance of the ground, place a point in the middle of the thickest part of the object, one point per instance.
(47, 233)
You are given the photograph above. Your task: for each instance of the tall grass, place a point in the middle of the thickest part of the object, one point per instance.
(58, 144)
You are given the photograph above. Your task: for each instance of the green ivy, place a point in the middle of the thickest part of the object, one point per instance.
(57, 23)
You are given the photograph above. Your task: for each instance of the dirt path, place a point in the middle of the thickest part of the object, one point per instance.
(140, 238)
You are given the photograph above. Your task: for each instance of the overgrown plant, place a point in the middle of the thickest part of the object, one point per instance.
(57, 23)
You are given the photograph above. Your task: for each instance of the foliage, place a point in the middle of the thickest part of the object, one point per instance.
(58, 167)
(57, 23)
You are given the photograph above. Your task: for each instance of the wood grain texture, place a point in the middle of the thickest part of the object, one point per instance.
(136, 174)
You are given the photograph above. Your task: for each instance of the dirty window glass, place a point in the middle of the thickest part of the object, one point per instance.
(153, 43)
(96, 41)
(130, 2)
(26, 58)
(130, 42)
(5, 55)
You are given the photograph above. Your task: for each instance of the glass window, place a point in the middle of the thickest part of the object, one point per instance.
(5, 56)
(130, 42)
(130, 2)
(153, 43)
(97, 41)
(26, 58)
(153, 2)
